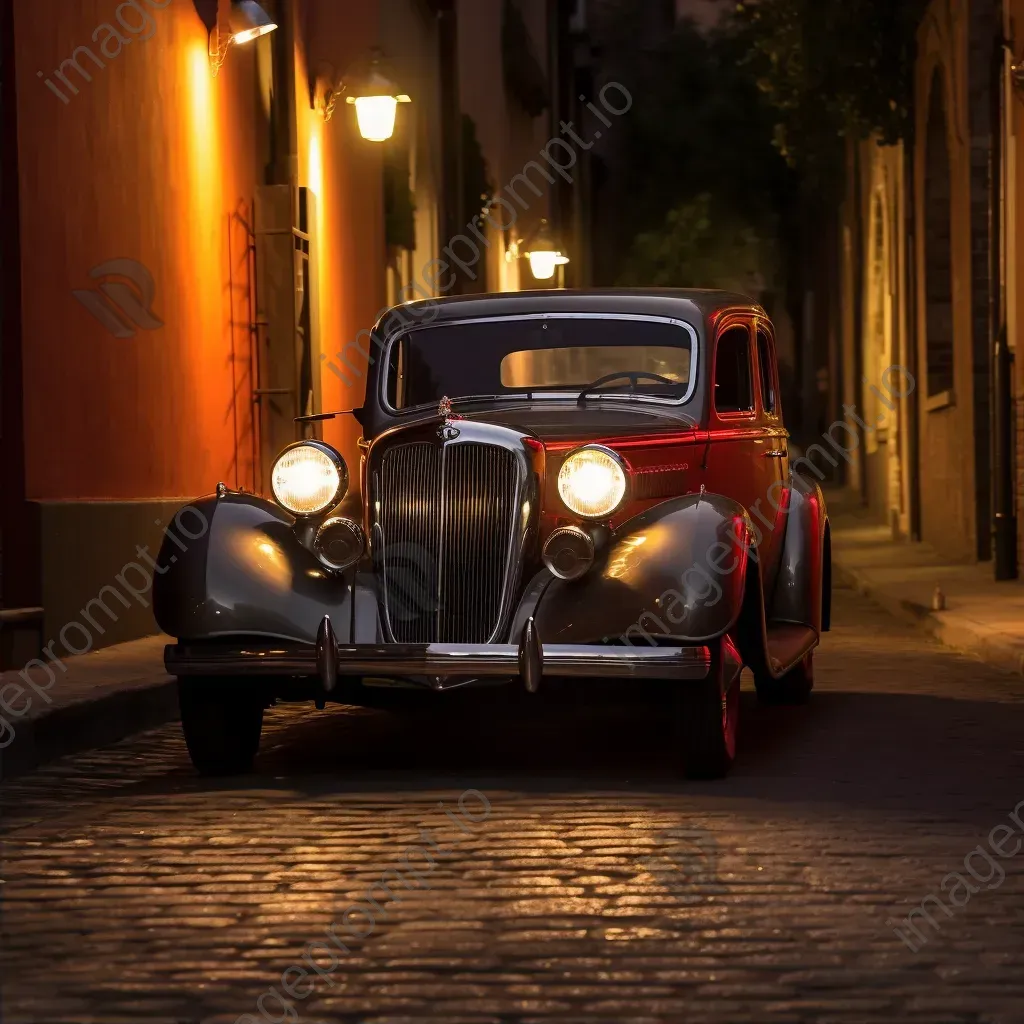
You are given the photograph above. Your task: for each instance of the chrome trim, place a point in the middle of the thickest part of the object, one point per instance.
(544, 395)
(531, 657)
(615, 457)
(326, 655)
(438, 660)
(526, 503)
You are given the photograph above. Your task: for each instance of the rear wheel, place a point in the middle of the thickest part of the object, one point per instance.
(792, 688)
(707, 716)
(222, 721)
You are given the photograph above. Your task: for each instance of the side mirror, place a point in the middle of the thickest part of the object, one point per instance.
(319, 417)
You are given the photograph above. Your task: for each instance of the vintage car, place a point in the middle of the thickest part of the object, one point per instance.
(552, 486)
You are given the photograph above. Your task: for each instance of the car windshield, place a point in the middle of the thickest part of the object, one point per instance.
(542, 356)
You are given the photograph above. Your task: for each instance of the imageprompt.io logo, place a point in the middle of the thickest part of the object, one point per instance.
(123, 297)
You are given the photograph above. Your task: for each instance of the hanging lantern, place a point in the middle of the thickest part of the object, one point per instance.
(544, 254)
(375, 97)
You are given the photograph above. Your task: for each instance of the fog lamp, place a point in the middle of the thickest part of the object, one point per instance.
(340, 543)
(568, 552)
(309, 477)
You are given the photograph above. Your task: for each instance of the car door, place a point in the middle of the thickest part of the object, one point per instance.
(775, 452)
(738, 461)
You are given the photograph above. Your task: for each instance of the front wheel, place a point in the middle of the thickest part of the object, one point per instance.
(707, 715)
(222, 722)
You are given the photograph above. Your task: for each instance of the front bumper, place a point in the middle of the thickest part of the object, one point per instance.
(436, 666)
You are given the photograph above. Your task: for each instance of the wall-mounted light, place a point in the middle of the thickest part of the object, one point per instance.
(247, 21)
(1017, 76)
(371, 89)
(541, 250)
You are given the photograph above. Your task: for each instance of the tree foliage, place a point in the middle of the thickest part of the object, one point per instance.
(700, 245)
(831, 69)
(699, 132)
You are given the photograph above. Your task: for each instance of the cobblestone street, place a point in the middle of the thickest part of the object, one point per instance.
(598, 888)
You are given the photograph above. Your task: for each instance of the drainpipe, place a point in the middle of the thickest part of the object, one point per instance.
(1004, 527)
(284, 168)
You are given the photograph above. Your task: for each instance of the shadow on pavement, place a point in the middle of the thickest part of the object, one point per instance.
(895, 752)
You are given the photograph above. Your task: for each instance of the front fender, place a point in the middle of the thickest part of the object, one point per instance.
(677, 570)
(245, 573)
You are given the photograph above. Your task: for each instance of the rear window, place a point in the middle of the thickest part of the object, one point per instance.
(576, 367)
(540, 356)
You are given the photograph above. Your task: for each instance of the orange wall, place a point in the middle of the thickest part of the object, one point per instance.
(333, 35)
(157, 161)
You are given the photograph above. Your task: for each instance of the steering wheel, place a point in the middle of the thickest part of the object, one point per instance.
(633, 376)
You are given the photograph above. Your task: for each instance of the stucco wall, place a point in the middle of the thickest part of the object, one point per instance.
(946, 459)
(884, 397)
(156, 160)
(149, 161)
(345, 171)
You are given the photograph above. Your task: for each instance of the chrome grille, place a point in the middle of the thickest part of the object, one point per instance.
(445, 520)
(408, 504)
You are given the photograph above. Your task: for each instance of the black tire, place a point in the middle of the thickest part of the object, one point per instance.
(707, 716)
(222, 722)
(793, 688)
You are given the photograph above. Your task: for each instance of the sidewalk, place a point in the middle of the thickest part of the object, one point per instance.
(101, 698)
(982, 618)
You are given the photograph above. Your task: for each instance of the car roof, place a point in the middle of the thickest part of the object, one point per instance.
(685, 303)
(696, 307)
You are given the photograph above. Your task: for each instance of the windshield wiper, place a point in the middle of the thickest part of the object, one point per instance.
(527, 396)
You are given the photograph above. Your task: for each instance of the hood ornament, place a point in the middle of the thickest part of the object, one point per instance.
(446, 431)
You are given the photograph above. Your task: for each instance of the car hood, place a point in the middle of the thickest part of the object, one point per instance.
(549, 422)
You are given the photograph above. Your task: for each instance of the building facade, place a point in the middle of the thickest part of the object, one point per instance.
(930, 279)
(197, 241)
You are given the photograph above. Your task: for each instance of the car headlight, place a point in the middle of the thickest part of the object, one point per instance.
(309, 477)
(592, 482)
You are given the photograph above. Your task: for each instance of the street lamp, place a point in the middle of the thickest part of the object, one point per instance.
(372, 91)
(247, 21)
(544, 254)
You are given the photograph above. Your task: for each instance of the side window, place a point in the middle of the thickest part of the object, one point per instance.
(764, 358)
(733, 389)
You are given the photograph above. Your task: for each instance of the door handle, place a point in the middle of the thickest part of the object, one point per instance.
(776, 453)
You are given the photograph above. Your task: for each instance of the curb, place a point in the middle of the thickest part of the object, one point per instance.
(88, 724)
(944, 627)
